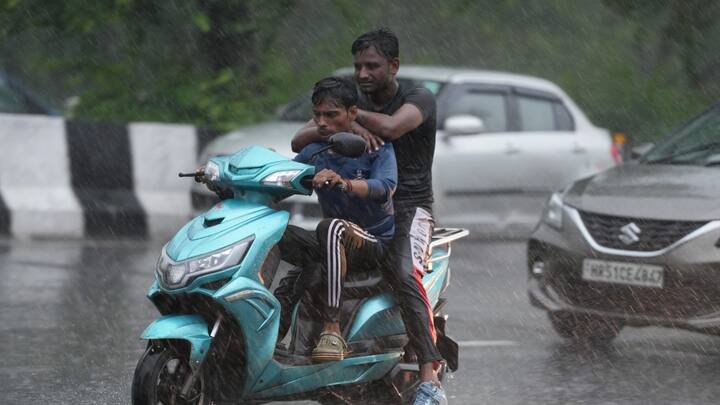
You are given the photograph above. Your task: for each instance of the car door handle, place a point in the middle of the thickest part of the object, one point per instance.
(579, 149)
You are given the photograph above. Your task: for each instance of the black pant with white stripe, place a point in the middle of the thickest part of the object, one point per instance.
(338, 246)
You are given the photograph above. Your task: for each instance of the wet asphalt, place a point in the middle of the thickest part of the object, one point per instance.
(71, 313)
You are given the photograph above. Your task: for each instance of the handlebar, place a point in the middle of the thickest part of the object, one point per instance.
(197, 175)
(307, 182)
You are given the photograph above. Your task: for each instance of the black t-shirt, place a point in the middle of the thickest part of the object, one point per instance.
(414, 150)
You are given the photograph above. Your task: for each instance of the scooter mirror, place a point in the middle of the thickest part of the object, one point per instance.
(347, 144)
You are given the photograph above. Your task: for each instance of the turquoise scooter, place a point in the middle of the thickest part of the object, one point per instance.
(216, 340)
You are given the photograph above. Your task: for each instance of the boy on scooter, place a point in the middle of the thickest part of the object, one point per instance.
(356, 200)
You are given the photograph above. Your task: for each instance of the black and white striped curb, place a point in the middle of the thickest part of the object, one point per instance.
(77, 179)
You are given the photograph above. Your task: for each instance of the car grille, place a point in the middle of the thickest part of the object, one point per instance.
(686, 293)
(654, 234)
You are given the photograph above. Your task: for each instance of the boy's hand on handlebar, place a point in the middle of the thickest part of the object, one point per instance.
(200, 174)
(327, 179)
(223, 193)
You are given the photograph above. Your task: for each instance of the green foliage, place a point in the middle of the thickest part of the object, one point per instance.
(640, 66)
(135, 60)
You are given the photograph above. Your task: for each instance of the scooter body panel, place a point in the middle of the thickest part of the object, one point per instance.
(279, 380)
(379, 316)
(238, 220)
(257, 313)
(264, 231)
(376, 317)
(192, 328)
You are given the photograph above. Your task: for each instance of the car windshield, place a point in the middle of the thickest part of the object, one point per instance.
(300, 109)
(697, 143)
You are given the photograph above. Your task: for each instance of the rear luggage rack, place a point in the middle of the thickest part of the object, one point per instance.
(443, 237)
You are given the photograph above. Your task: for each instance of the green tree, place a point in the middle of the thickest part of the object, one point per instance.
(686, 27)
(640, 66)
(197, 61)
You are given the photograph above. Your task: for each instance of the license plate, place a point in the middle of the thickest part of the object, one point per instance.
(643, 275)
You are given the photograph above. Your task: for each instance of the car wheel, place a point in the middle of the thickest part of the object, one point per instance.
(581, 327)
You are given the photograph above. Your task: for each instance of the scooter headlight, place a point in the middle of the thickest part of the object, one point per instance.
(175, 273)
(281, 179)
(178, 274)
(214, 261)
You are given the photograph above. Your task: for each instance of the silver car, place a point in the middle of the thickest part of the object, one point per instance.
(505, 142)
(636, 245)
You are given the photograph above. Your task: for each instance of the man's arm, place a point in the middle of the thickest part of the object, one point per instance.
(383, 175)
(327, 178)
(380, 185)
(308, 134)
(418, 105)
(383, 178)
(391, 127)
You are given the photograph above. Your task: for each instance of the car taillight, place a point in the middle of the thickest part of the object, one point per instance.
(616, 155)
(618, 144)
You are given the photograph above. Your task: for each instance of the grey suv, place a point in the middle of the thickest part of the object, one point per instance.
(636, 245)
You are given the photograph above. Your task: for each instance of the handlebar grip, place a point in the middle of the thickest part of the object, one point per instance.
(307, 182)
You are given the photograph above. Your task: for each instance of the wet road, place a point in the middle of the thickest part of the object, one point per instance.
(71, 313)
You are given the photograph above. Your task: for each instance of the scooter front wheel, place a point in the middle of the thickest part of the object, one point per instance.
(160, 376)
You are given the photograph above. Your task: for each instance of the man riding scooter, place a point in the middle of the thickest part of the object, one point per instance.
(356, 199)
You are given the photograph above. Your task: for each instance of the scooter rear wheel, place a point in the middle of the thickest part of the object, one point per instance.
(159, 378)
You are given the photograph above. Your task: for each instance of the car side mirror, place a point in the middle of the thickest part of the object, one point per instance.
(463, 125)
(348, 144)
(636, 152)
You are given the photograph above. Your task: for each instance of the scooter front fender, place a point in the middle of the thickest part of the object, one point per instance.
(182, 327)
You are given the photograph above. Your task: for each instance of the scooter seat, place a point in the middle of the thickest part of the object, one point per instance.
(360, 284)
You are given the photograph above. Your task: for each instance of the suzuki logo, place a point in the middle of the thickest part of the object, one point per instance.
(629, 233)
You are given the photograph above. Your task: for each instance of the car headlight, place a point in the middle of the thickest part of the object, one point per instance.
(281, 178)
(212, 171)
(177, 274)
(554, 211)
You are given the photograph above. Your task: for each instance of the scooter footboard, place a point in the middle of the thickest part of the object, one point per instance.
(191, 328)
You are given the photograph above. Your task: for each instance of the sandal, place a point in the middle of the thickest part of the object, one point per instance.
(330, 347)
